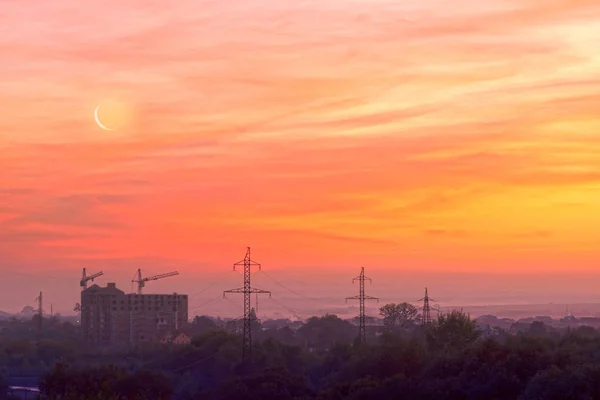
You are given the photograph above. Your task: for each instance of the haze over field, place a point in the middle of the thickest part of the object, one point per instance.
(449, 146)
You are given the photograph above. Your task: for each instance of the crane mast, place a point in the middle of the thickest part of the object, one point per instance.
(141, 282)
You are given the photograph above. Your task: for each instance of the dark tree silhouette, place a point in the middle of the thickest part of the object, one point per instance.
(397, 316)
(454, 330)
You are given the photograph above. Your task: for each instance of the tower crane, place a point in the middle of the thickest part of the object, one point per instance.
(85, 279)
(83, 283)
(141, 282)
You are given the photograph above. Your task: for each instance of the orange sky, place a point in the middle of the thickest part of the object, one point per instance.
(327, 135)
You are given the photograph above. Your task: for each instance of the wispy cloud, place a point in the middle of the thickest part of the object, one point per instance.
(433, 133)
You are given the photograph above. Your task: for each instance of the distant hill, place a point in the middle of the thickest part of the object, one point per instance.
(27, 312)
(531, 310)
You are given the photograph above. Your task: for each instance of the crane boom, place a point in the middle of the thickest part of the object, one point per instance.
(97, 274)
(85, 278)
(142, 281)
(160, 276)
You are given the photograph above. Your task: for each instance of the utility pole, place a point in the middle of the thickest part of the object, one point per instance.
(176, 300)
(247, 290)
(40, 312)
(362, 336)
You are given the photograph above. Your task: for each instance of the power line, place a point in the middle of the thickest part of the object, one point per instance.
(202, 359)
(231, 301)
(196, 362)
(285, 287)
(191, 348)
(205, 303)
(210, 285)
(294, 313)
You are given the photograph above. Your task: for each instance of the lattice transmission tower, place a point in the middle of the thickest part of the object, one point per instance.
(247, 290)
(362, 336)
(427, 309)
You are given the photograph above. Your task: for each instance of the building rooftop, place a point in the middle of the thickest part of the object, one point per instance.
(111, 288)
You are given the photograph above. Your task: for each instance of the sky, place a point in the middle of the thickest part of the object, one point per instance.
(453, 146)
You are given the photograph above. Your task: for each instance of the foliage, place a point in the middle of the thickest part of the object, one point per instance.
(398, 316)
(323, 332)
(270, 384)
(107, 383)
(202, 324)
(454, 330)
(447, 360)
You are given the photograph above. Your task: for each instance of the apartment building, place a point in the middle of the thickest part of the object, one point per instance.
(109, 316)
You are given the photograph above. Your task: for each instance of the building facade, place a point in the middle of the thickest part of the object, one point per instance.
(109, 316)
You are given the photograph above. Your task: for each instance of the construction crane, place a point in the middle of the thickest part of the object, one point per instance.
(141, 282)
(85, 279)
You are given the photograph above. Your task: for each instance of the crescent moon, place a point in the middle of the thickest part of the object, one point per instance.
(98, 120)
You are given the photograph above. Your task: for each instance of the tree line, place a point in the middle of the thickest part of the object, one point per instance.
(448, 359)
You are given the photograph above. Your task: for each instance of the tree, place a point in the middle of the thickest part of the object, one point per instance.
(349, 390)
(63, 381)
(573, 382)
(324, 332)
(283, 335)
(454, 330)
(145, 385)
(49, 351)
(104, 383)
(537, 328)
(3, 387)
(270, 384)
(255, 325)
(202, 324)
(399, 316)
